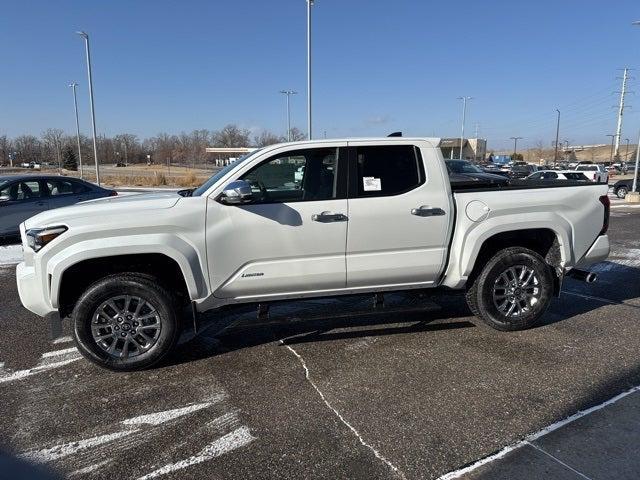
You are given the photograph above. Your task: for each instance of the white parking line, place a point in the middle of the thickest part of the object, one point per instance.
(56, 353)
(162, 417)
(225, 444)
(42, 367)
(62, 340)
(66, 449)
(534, 436)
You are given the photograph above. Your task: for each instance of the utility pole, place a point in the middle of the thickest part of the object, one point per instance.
(555, 156)
(309, 5)
(464, 117)
(288, 93)
(477, 129)
(73, 85)
(635, 170)
(93, 113)
(515, 146)
(623, 92)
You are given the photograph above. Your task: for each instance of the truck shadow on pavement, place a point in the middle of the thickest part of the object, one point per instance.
(322, 320)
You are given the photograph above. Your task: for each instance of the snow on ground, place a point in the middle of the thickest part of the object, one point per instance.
(10, 254)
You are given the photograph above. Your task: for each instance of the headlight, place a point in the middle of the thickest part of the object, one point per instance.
(39, 237)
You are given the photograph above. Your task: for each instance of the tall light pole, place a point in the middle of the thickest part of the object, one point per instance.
(464, 118)
(626, 153)
(555, 156)
(635, 170)
(309, 5)
(93, 113)
(515, 146)
(613, 136)
(73, 85)
(288, 93)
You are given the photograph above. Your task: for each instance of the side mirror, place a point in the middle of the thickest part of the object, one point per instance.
(237, 193)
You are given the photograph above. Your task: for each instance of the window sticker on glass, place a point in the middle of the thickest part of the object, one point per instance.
(371, 184)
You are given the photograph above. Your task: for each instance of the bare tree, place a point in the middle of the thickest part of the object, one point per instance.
(53, 139)
(130, 146)
(267, 138)
(231, 136)
(29, 148)
(6, 147)
(297, 135)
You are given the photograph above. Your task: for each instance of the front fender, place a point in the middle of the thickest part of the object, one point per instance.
(174, 247)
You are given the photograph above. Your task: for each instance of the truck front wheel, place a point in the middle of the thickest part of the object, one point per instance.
(513, 290)
(125, 322)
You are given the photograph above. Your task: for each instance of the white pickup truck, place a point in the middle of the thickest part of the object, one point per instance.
(366, 215)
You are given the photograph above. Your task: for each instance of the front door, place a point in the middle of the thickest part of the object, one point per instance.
(291, 238)
(399, 216)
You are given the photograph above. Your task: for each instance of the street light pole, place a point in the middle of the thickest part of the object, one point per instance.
(288, 93)
(611, 153)
(635, 170)
(515, 146)
(309, 5)
(73, 85)
(464, 117)
(555, 157)
(93, 113)
(626, 153)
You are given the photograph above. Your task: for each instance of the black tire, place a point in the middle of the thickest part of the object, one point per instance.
(142, 286)
(480, 292)
(621, 192)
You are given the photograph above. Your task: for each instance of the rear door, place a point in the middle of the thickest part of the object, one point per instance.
(399, 215)
(291, 239)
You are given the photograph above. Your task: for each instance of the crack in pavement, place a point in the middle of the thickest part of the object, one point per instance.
(342, 419)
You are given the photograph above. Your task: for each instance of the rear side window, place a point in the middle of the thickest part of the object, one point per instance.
(387, 170)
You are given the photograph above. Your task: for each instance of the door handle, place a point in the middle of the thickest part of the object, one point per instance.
(328, 217)
(39, 204)
(425, 211)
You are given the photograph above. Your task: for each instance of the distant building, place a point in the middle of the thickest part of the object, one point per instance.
(474, 149)
(224, 156)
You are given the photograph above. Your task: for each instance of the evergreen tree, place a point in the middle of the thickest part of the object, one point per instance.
(69, 161)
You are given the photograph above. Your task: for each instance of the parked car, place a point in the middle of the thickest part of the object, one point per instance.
(464, 172)
(23, 196)
(558, 175)
(495, 169)
(371, 215)
(522, 170)
(594, 172)
(622, 187)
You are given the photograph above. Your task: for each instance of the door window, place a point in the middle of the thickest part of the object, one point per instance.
(300, 175)
(21, 191)
(59, 187)
(388, 170)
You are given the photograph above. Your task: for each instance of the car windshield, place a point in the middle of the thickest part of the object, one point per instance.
(218, 175)
(461, 166)
(522, 168)
(3, 183)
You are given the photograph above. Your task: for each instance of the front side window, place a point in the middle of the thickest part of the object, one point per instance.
(388, 170)
(299, 175)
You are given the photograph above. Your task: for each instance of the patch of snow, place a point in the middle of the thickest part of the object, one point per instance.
(10, 254)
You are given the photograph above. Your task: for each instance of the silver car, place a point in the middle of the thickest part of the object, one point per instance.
(23, 196)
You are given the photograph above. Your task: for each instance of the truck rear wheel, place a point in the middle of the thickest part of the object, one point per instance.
(512, 291)
(125, 322)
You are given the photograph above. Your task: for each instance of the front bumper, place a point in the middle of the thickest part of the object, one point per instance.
(32, 290)
(598, 252)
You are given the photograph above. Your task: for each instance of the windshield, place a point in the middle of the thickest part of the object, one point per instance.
(460, 166)
(218, 175)
(3, 183)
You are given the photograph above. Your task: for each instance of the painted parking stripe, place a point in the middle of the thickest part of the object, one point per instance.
(162, 417)
(62, 340)
(225, 444)
(56, 353)
(534, 436)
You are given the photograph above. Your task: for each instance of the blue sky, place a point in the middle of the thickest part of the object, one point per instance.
(379, 66)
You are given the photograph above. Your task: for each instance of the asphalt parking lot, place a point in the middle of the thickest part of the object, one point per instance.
(312, 394)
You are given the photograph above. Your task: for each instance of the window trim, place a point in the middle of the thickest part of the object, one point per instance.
(353, 170)
(341, 182)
